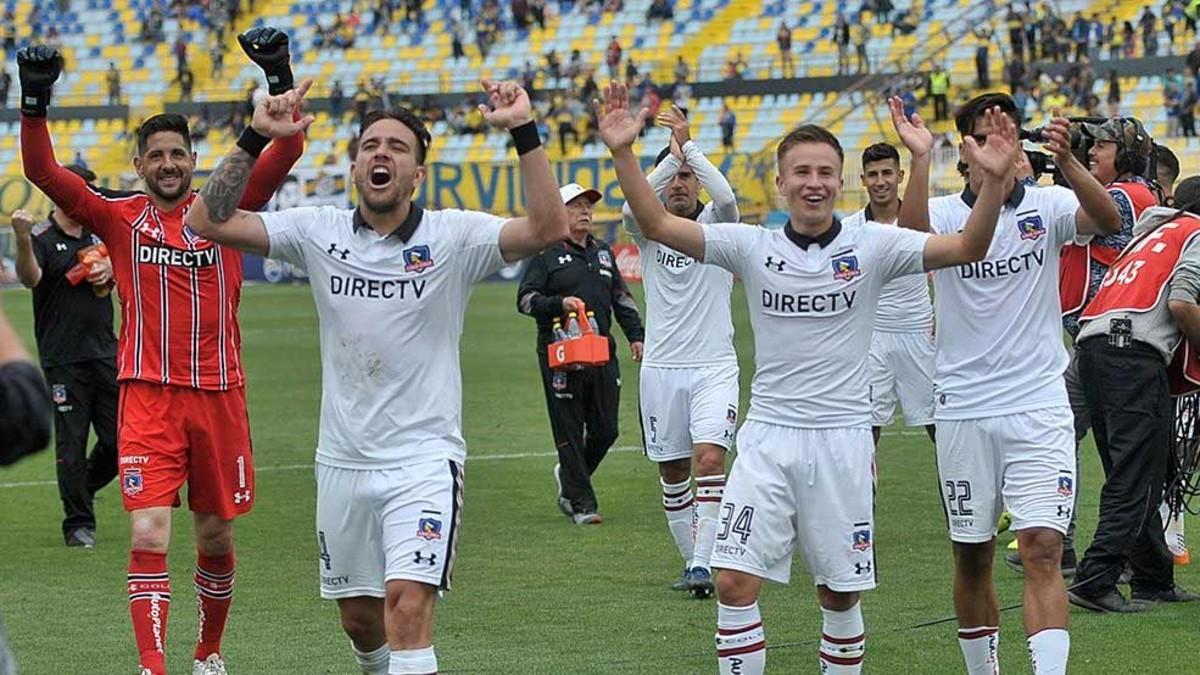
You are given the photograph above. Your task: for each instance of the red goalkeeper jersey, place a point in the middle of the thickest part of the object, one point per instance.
(179, 292)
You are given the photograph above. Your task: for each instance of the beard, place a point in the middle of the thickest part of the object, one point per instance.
(185, 184)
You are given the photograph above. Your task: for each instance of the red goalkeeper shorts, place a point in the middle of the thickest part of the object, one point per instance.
(169, 435)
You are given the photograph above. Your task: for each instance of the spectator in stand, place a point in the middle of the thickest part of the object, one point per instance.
(553, 66)
(683, 72)
(1081, 31)
(1149, 25)
(1170, 14)
(783, 37)
(1016, 32)
(456, 39)
(1096, 37)
(217, 60)
(883, 11)
(660, 10)
(1193, 61)
(362, 99)
(187, 81)
(414, 12)
(1128, 39)
(903, 24)
(983, 77)
(862, 35)
(337, 102)
(938, 86)
(520, 13)
(612, 58)
(1187, 108)
(5, 85)
(1114, 93)
(1114, 35)
(575, 65)
(728, 124)
(180, 50)
(1014, 74)
(1171, 103)
(8, 28)
(113, 78)
(841, 38)
(537, 9)
(735, 67)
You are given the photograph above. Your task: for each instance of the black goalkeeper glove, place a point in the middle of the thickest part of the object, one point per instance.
(268, 47)
(38, 68)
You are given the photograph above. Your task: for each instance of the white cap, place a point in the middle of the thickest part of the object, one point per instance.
(572, 190)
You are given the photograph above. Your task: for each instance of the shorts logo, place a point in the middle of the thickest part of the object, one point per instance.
(846, 267)
(58, 393)
(429, 529)
(417, 259)
(419, 559)
(862, 540)
(1031, 227)
(559, 381)
(604, 258)
(1064, 486)
(731, 415)
(131, 481)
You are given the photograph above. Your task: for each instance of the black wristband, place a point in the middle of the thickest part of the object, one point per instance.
(35, 103)
(280, 81)
(252, 142)
(526, 137)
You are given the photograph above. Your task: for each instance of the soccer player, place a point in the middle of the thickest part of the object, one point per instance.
(1117, 159)
(1004, 424)
(391, 282)
(182, 411)
(803, 474)
(688, 391)
(900, 365)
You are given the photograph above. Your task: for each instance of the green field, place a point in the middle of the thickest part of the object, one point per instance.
(533, 593)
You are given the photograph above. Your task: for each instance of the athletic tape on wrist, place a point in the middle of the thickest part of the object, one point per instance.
(526, 138)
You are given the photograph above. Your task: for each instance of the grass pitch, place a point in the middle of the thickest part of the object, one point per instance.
(532, 594)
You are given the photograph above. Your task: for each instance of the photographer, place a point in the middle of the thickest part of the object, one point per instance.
(1128, 336)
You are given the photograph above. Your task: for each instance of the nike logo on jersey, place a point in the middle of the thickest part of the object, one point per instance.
(672, 260)
(174, 257)
(1004, 267)
(375, 289)
(825, 303)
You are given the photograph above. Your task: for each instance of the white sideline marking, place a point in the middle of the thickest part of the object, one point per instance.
(476, 458)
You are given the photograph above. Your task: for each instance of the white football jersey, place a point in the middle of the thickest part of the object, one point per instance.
(688, 320)
(999, 335)
(904, 305)
(812, 310)
(391, 314)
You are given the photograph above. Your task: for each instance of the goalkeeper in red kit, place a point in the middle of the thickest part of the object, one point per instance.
(182, 412)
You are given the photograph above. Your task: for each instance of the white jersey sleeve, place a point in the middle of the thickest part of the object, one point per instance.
(658, 179)
(723, 208)
(902, 251)
(289, 230)
(728, 245)
(476, 235)
(1060, 205)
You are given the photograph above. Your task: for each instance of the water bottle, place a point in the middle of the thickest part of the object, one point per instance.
(592, 322)
(572, 326)
(559, 333)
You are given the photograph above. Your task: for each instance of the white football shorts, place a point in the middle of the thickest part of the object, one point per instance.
(681, 407)
(806, 489)
(1025, 460)
(378, 525)
(900, 368)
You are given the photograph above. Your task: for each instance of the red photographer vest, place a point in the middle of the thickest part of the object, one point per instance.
(1139, 277)
(1074, 272)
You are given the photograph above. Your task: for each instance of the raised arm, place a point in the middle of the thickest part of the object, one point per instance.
(620, 129)
(215, 214)
(29, 271)
(267, 47)
(1097, 214)
(38, 69)
(914, 208)
(996, 159)
(546, 218)
(724, 201)
(658, 178)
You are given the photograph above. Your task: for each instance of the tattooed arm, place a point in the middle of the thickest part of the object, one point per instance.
(215, 214)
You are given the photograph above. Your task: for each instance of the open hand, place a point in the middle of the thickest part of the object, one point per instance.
(618, 127)
(914, 135)
(996, 156)
(1057, 135)
(673, 119)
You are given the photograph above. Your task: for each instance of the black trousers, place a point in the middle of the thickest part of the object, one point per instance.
(1128, 396)
(85, 396)
(583, 417)
(940, 111)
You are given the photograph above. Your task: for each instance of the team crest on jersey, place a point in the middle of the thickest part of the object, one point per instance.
(429, 529)
(731, 415)
(1065, 486)
(58, 393)
(559, 381)
(417, 259)
(846, 267)
(604, 258)
(131, 481)
(861, 540)
(1031, 227)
